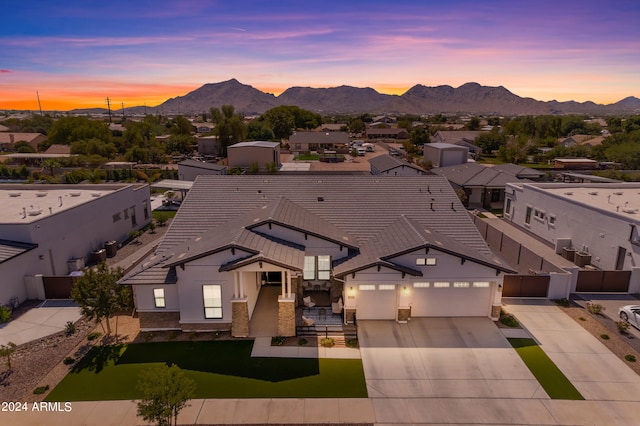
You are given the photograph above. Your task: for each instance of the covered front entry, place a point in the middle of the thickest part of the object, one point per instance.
(264, 321)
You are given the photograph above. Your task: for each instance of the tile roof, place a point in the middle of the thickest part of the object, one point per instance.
(260, 144)
(202, 165)
(319, 137)
(519, 171)
(474, 174)
(383, 163)
(222, 210)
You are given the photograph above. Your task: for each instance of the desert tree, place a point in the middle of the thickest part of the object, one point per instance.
(165, 390)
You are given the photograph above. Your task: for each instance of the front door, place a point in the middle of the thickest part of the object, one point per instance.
(622, 252)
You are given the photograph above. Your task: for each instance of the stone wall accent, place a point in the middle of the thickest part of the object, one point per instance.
(495, 311)
(336, 290)
(286, 317)
(239, 318)
(159, 320)
(404, 314)
(206, 326)
(350, 316)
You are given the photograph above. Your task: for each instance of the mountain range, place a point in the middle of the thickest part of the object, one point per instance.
(471, 98)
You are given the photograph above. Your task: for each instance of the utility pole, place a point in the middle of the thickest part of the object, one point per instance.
(123, 117)
(39, 104)
(109, 108)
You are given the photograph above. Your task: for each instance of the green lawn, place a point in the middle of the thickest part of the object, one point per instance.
(221, 369)
(309, 157)
(549, 376)
(163, 214)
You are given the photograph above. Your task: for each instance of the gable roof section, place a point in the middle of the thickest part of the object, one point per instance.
(383, 163)
(519, 171)
(406, 235)
(474, 174)
(202, 165)
(259, 144)
(320, 137)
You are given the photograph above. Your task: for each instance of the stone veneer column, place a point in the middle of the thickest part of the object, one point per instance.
(404, 314)
(239, 318)
(495, 312)
(286, 316)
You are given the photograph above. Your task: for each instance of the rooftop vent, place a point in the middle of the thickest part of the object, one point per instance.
(630, 210)
(96, 194)
(320, 198)
(41, 194)
(74, 194)
(593, 193)
(618, 193)
(34, 212)
(568, 193)
(15, 194)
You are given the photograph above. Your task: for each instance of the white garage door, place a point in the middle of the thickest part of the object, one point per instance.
(376, 303)
(451, 301)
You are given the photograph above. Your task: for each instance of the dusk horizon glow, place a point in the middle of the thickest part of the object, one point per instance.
(76, 54)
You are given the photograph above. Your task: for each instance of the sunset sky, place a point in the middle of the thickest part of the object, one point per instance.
(77, 53)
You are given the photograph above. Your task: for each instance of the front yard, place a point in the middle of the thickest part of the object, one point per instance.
(221, 369)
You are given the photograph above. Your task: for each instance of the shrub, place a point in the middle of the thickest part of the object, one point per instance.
(327, 342)
(508, 319)
(5, 314)
(595, 308)
(623, 326)
(582, 319)
(94, 335)
(172, 335)
(69, 360)
(70, 328)
(630, 358)
(564, 302)
(40, 390)
(277, 341)
(302, 341)
(604, 336)
(352, 343)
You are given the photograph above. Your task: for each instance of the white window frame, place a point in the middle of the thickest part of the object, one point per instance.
(481, 284)
(324, 267)
(461, 284)
(552, 220)
(212, 301)
(159, 299)
(386, 287)
(421, 285)
(527, 215)
(309, 270)
(441, 284)
(367, 287)
(426, 261)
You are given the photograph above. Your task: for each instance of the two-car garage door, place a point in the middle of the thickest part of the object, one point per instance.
(445, 300)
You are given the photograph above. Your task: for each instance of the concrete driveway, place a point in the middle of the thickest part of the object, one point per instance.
(47, 318)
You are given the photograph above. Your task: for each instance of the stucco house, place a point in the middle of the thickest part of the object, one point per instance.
(391, 166)
(314, 141)
(445, 154)
(190, 169)
(464, 138)
(375, 247)
(244, 154)
(52, 230)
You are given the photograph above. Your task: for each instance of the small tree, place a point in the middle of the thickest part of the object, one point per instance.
(165, 391)
(99, 294)
(7, 350)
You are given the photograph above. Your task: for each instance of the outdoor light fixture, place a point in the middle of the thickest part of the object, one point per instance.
(405, 291)
(352, 292)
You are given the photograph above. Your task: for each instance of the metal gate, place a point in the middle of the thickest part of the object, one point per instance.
(525, 286)
(58, 287)
(603, 281)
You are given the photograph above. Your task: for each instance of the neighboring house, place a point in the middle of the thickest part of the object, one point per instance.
(376, 133)
(391, 166)
(386, 247)
(484, 186)
(204, 127)
(520, 171)
(190, 169)
(8, 139)
(331, 127)
(601, 219)
(445, 154)
(51, 230)
(575, 163)
(581, 140)
(462, 138)
(245, 154)
(3, 128)
(59, 149)
(317, 141)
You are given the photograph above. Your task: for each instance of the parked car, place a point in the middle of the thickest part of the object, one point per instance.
(393, 152)
(631, 314)
(361, 152)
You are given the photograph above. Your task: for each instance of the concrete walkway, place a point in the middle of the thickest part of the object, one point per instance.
(262, 348)
(49, 317)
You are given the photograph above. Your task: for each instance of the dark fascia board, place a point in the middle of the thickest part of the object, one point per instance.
(453, 253)
(26, 246)
(208, 253)
(383, 263)
(254, 259)
(301, 230)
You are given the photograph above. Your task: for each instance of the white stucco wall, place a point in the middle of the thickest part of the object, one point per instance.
(145, 301)
(599, 232)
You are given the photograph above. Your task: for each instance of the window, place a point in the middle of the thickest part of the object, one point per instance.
(212, 297)
(527, 218)
(126, 213)
(481, 284)
(158, 297)
(538, 214)
(366, 287)
(132, 212)
(309, 271)
(441, 284)
(317, 268)
(495, 195)
(145, 209)
(324, 267)
(461, 284)
(421, 285)
(552, 220)
(507, 209)
(116, 217)
(386, 287)
(428, 261)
